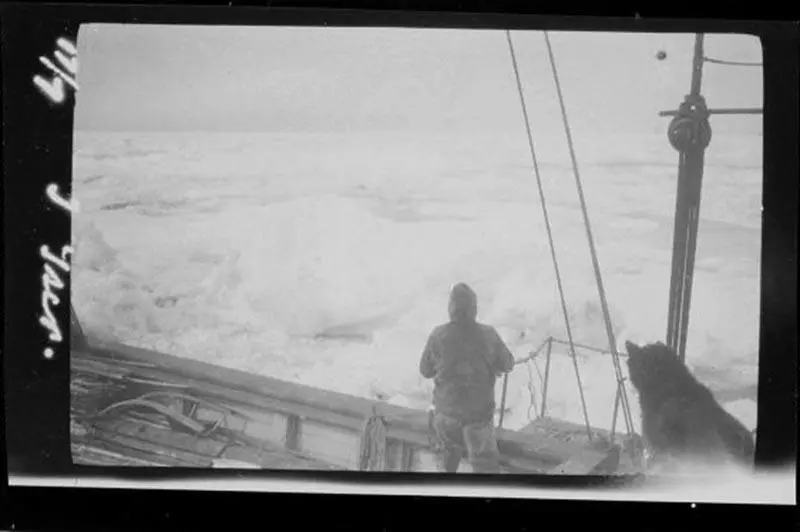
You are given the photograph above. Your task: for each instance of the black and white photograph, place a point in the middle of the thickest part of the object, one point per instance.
(415, 249)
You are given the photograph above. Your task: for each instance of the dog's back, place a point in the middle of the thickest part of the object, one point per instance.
(680, 416)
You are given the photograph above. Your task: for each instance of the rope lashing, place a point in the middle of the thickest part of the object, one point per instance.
(530, 359)
(731, 63)
(531, 391)
(538, 372)
(372, 452)
(587, 347)
(433, 441)
(533, 354)
(595, 262)
(549, 231)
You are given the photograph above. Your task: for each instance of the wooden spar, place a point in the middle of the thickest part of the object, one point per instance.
(690, 134)
(686, 136)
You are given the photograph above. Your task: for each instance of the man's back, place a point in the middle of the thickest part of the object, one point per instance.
(464, 358)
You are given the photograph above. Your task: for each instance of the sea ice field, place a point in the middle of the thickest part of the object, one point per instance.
(327, 258)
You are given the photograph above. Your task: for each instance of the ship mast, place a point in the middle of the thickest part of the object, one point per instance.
(689, 133)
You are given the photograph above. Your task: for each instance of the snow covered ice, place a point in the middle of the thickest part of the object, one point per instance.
(327, 259)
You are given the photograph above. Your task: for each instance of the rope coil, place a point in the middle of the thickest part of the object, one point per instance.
(372, 452)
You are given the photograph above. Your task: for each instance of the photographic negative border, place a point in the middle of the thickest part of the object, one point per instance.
(38, 152)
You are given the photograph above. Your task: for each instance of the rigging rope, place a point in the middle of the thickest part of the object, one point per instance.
(549, 231)
(595, 263)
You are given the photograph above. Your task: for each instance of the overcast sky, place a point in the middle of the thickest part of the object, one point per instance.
(157, 78)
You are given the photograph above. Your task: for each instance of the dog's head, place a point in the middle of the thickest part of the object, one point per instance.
(651, 364)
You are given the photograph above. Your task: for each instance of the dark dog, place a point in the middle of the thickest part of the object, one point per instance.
(680, 416)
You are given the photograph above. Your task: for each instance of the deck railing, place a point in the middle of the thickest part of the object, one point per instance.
(547, 345)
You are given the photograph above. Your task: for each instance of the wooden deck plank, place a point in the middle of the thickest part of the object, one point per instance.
(87, 454)
(111, 443)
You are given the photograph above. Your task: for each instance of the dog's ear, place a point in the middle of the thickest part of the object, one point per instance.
(632, 348)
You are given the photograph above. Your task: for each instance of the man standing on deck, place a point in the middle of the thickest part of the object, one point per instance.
(464, 358)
